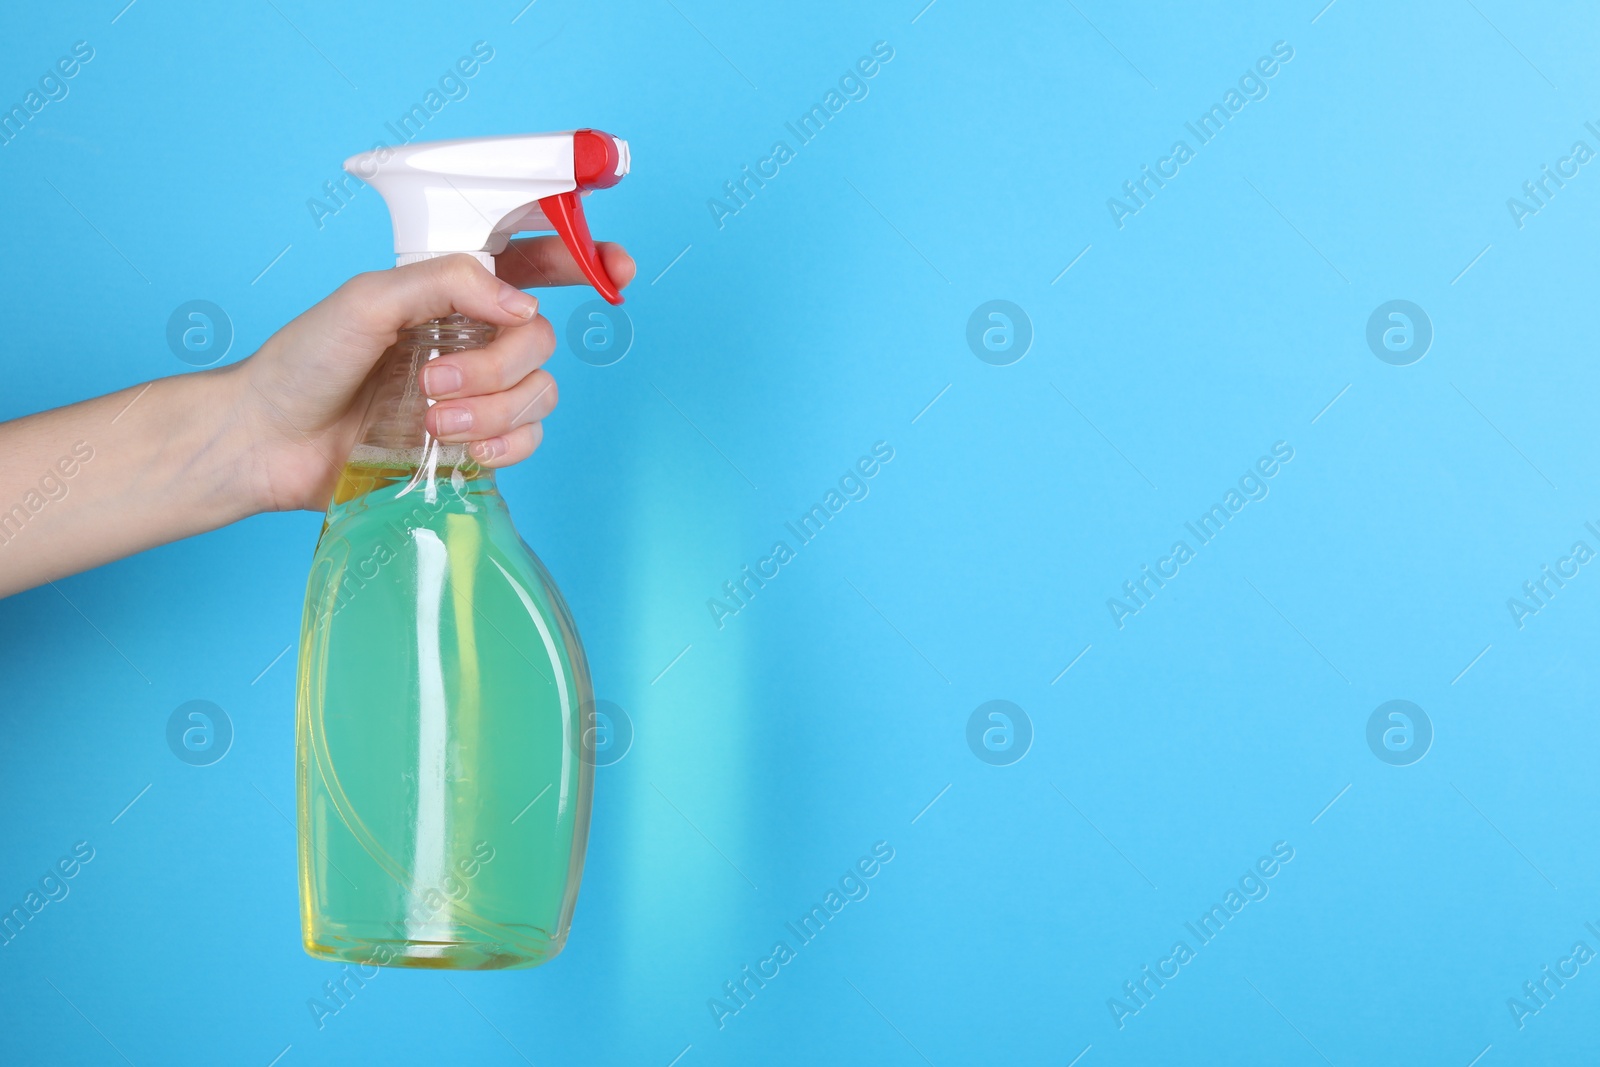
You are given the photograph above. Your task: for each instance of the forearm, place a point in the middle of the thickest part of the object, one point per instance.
(89, 483)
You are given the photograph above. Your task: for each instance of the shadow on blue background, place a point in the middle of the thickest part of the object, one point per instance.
(1439, 862)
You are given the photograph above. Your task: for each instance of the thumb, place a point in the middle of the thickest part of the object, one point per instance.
(380, 304)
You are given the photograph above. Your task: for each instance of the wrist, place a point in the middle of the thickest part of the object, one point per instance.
(246, 439)
(287, 450)
(211, 443)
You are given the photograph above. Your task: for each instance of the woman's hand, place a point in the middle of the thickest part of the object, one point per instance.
(156, 462)
(302, 396)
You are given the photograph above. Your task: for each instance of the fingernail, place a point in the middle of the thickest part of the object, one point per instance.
(517, 302)
(453, 420)
(441, 381)
(484, 451)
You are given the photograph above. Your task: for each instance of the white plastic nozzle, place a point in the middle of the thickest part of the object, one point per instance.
(472, 195)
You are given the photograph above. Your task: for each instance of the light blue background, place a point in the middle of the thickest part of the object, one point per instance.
(825, 716)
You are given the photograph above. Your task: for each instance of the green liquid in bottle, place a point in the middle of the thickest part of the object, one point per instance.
(445, 772)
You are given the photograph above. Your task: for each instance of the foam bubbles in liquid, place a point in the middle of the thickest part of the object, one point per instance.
(447, 456)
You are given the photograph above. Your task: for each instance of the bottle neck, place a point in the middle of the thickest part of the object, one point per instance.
(393, 434)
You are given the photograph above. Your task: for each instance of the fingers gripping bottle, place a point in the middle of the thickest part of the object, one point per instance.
(444, 768)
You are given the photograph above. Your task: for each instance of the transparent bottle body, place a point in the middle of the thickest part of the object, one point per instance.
(444, 772)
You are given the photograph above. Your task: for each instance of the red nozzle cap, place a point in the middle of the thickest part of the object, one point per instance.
(596, 164)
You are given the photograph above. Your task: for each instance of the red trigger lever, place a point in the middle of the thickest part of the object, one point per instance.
(595, 165)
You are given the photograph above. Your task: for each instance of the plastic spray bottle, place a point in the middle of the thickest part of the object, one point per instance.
(445, 767)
